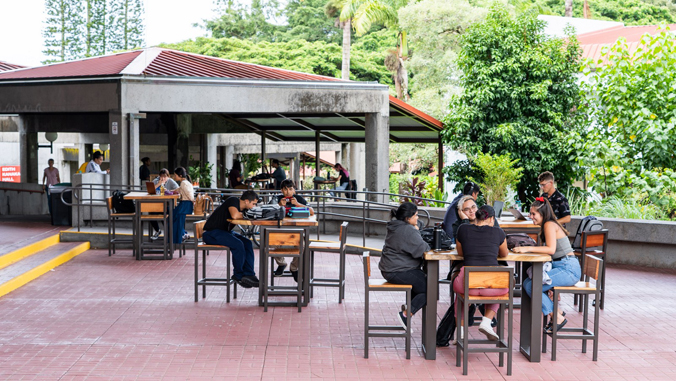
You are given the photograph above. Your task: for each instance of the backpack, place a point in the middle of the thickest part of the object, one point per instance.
(121, 205)
(203, 203)
(589, 223)
(266, 212)
(518, 240)
(428, 236)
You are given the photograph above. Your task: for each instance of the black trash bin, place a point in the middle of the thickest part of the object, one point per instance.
(61, 213)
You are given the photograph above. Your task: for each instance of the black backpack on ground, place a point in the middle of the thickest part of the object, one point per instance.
(589, 223)
(121, 205)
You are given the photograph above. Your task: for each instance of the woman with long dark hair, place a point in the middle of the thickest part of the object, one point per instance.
(565, 267)
(481, 244)
(235, 174)
(185, 204)
(343, 179)
(402, 257)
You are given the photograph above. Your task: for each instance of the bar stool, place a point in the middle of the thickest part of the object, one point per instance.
(593, 269)
(199, 245)
(113, 217)
(282, 242)
(483, 277)
(589, 240)
(330, 247)
(158, 211)
(373, 285)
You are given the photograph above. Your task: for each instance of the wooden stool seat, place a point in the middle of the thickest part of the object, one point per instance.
(122, 214)
(277, 243)
(579, 286)
(319, 246)
(480, 298)
(385, 284)
(204, 281)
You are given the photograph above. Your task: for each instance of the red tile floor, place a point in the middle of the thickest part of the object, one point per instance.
(115, 318)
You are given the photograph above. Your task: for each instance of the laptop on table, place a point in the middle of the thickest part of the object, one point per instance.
(518, 215)
(150, 186)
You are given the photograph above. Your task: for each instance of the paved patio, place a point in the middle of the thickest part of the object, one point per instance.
(100, 317)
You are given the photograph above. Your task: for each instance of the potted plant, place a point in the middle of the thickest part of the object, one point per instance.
(499, 174)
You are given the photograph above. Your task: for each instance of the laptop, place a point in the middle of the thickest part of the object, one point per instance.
(497, 206)
(518, 215)
(151, 187)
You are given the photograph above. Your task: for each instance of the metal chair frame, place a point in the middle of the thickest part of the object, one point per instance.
(589, 240)
(328, 282)
(289, 249)
(204, 281)
(113, 217)
(163, 216)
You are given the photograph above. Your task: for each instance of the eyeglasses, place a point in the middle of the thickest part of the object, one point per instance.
(473, 207)
(542, 185)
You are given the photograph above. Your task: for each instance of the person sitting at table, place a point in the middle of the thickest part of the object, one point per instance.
(402, 257)
(185, 204)
(94, 165)
(481, 244)
(278, 175)
(235, 175)
(557, 200)
(565, 267)
(169, 185)
(343, 179)
(218, 231)
(289, 198)
(452, 215)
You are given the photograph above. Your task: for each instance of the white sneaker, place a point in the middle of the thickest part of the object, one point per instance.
(156, 235)
(487, 330)
(186, 236)
(455, 340)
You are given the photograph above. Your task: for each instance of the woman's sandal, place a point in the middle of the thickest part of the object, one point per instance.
(548, 327)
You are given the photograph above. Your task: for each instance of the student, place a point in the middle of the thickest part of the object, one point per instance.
(279, 175)
(94, 165)
(235, 174)
(343, 179)
(169, 186)
(289, 198)
(451, 216)
(402, 257)
(565, 270)
(218, 231)
(556, 199)
(185, 205)
(51, 175)
(144, 171)
(481, 244)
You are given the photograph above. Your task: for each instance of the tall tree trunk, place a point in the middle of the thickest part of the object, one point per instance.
(63, 31)
(569, 8)
(347, 36)
(88, 47)
(586, 11)
(402, 75)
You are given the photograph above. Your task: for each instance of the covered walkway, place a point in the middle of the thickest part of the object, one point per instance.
(109, 318)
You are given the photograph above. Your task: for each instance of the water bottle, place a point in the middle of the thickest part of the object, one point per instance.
(162, 190)
(436, 241)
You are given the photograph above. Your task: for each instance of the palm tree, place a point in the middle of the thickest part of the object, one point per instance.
(569, 8)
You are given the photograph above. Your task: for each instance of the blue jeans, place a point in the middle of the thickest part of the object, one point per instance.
(342, 186)
(180, 211)
(418, 280)
(565, 272)
(241, 247)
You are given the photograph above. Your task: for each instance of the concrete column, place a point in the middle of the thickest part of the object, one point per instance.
(295, 170)
(28, 151)
(377, 153)
(118, 130)
(212, 157)
(229, 156)
(134, 153)
(345, 155)
(339, 157)
(356, 168)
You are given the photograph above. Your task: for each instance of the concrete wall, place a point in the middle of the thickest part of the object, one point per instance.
(21, 202)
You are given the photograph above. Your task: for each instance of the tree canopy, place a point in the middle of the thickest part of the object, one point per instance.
(519, 93)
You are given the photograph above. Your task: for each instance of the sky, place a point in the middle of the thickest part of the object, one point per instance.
(22, 23)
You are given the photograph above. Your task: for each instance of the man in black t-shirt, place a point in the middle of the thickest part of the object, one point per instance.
(278, 175)
(556, 199)
(144, 171)
(218, 231)
(289, 199)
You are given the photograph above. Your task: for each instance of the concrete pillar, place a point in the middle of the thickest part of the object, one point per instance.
(377, 153)
(295, 170)
(229, 156)
(345, 155)
(28, 151)
(356, 168)
(134, 153)
(212, 157)
(118, 130)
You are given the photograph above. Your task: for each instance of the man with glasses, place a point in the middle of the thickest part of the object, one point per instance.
(556, 199)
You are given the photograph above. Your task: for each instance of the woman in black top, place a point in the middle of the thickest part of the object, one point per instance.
(235, 174)
(481, 244)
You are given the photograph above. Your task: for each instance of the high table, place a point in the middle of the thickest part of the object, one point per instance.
(512, 225)
(531, 312)
(306, 224)
(170, 200)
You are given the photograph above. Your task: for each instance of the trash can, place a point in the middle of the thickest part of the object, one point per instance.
(61, 213)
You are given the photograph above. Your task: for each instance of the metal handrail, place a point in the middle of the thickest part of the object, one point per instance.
(317, 197)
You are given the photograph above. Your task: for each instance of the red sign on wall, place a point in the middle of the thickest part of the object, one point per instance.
(10, 173)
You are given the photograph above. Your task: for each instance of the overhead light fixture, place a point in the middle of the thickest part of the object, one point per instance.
(103, 147)
(51, 137)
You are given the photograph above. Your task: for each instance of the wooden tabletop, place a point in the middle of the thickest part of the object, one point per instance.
(446, 255)
(325, 181)
(511, 222)
(311, 221)
(145, 195)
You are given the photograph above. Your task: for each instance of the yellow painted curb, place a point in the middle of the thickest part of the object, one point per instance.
(29, 275)
(27, 251)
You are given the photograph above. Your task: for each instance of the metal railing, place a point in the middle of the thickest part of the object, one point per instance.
(317, 198)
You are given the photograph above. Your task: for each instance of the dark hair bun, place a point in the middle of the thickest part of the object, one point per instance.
(485, 212)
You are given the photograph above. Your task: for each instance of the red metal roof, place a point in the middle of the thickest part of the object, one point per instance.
(4, 66)
(592, 42)
(408, 109)
(88, 67)
(175, 63)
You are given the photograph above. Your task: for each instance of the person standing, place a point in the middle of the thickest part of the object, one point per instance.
(94, 165)
(49, 178)
(557, 200)
(343, 179)
(218, 231)
(144, 171)
(279, 175)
